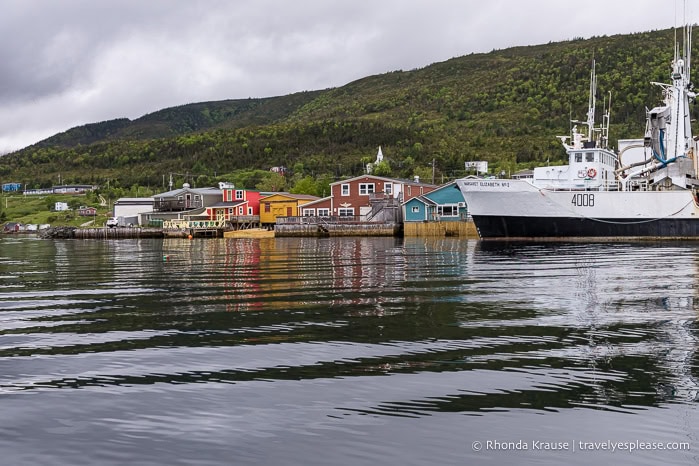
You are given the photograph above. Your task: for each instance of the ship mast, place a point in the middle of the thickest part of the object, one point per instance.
(591, 104)
(588, 138)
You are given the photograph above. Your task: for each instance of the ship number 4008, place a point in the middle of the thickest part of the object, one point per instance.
(583, 200)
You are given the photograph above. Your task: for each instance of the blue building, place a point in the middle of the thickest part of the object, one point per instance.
(11, 187)
(444, 204)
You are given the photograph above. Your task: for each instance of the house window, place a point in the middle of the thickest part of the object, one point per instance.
(343, 212)
(345, 190)
(309, 212)
(388, 188)
(366, 188)
(416, 209)
(449, 210)
(323, 212)
(240, 210)
(238, 195)
(249, 210)
(230, 211)
(267, 207)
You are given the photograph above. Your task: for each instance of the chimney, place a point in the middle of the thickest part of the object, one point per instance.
(417, 179)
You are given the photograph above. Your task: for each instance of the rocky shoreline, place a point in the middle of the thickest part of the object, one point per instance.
(57, 233)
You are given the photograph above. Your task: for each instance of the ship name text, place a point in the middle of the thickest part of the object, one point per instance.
(488, 184)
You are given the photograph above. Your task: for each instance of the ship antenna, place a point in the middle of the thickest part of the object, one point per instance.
(689, 44)
(591, 103)
(606, 118)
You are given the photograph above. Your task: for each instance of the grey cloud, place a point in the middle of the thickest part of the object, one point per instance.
(72, 62)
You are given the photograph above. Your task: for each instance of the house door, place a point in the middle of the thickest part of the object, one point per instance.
(188, 201)
(289, 211)
(220, 215)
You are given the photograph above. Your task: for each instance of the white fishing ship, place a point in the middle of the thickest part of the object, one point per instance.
(647, 188)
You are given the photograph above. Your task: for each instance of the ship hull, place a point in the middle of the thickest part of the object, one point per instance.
(515, 209)
(517, 227)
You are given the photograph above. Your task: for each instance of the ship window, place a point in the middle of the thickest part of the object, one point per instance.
(590, 157)
(578, 157)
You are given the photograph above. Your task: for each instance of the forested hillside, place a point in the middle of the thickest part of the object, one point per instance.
(505, 107)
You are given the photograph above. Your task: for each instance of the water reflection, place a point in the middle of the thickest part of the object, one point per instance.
(347, 331)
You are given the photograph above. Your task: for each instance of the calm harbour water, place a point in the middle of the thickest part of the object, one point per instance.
(347, 351)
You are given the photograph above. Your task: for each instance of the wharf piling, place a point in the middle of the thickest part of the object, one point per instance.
(461, 229)
(100, 233)
(319, 230)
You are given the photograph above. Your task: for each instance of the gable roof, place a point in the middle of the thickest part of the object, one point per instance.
(317, 201)
(228, 204)
(203, 191)
(292, 196)
(381, 178)
(422, 199)
(451, 184)
(134, 200)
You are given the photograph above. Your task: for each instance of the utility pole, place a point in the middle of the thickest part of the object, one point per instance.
(432, 171)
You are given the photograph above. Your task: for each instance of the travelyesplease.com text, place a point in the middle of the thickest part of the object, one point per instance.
(576, 445)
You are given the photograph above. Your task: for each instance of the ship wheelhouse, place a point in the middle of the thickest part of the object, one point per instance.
(589, 168)
(592, 168)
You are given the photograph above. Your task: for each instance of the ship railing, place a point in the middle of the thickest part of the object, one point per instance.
(607, 185)
(637, 185)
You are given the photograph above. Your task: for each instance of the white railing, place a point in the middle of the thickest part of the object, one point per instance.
(193, 224)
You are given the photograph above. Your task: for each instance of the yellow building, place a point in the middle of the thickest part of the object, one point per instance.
(282, 205)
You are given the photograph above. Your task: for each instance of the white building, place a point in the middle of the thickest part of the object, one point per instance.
(128, 209)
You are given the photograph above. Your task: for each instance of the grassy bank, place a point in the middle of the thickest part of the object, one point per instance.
(39, 209)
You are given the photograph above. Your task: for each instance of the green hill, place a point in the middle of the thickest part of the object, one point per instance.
(505, 106)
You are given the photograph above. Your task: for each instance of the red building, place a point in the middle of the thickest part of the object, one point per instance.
(354, 196)
(87, 211)
(235, 203)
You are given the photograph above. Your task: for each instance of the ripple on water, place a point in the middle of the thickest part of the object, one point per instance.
(363, 347)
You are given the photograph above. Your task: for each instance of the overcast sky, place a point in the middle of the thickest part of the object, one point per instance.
(65, 63)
